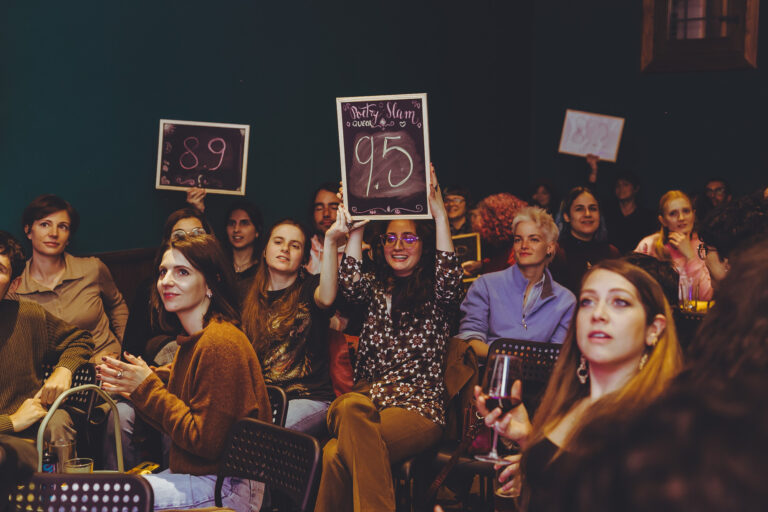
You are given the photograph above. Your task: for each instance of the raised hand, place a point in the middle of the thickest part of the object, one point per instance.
(682, 243)
(121, 377)
(196, 197)
(436, 197)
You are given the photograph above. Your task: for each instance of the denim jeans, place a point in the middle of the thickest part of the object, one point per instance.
(308, 416)
(179, 491)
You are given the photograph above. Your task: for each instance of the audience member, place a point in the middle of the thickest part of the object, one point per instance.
(677, 241)
(716, 193)
(29, 336)
(325, 206)
(493, 220)
(662, 271)
(457, 203)
(215, 378)
(578, 246)
(626, 219)
(619, 356)
(522, 302)
(727, 229)
(544, 195)
(398, 408)
(243, 226)
(146, 339)
(286, 315)
(78, 290)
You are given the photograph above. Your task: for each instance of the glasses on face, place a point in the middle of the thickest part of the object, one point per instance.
(703, 250)
(453, 200)
(180, 234)
(406, 238)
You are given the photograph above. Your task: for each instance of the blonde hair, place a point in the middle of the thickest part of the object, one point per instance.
(659, 250)
(541, 219)
(564, 390)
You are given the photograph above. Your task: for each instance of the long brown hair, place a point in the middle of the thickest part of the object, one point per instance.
(205, 254)
(564, 390)
(659, 248)
(263, 321)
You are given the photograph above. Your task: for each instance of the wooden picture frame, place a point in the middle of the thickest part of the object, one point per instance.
(467, 247)
(587, 133)
(384, 152)
(213, 156)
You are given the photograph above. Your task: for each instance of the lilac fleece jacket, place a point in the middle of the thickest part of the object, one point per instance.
(493, 308)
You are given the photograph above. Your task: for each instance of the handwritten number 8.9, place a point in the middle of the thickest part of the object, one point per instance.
(191, 143)
(384, 152)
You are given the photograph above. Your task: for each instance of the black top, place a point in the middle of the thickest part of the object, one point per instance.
(625, 232)
(574, 257)
(299, 363)
(543, 475)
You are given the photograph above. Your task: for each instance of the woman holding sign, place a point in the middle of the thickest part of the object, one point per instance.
(286, 315)
(397, 408)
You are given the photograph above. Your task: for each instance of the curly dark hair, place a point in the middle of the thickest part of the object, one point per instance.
(11, 248)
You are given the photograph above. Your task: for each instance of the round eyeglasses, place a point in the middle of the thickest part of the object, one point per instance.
(180, 234)
(406, 238)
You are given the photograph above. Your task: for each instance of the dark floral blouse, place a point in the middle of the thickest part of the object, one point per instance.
(404, 365)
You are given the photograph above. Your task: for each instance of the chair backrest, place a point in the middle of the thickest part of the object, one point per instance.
(79, 402)
(539, 360)
(88, 492)
(287, 461)
(279, 401)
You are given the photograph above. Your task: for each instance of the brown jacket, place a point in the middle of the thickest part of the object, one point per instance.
(214, 380)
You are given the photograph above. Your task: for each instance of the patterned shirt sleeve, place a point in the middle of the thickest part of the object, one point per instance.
(354, 285)
(448, 274)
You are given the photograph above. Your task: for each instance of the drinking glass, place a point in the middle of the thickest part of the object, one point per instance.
(500, 374)
(80, 465)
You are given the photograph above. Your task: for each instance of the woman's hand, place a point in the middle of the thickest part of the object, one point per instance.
(682, 243)
(123, 378)
(436, 196)
(343, 226)
(515, 425)
(196, 198)
(59, 381)
(507, 477)
(592, 163)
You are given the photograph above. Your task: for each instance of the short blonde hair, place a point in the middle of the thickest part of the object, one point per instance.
(541, 219)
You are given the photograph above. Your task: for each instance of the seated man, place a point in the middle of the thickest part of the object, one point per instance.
(29, 335)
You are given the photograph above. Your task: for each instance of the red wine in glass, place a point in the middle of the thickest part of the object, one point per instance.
(500, 375)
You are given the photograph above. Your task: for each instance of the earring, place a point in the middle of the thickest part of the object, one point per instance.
(643, 360)
(654, 339)
(582, 372)
(209, 294)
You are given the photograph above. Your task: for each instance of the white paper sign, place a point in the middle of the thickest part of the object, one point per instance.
(586, 133)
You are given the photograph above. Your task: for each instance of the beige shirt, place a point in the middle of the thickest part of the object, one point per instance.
(86, 296)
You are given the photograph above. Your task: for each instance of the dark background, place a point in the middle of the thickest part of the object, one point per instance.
(83, 86)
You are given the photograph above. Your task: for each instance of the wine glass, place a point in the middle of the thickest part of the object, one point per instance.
(500, 374)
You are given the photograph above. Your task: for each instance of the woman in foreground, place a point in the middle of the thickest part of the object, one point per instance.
(619, 355)
(214, 380)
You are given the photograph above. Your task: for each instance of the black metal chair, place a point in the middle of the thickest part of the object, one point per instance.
(79, 403)
(538, 362)
(279, 401)
(287, 461)
(88, 492)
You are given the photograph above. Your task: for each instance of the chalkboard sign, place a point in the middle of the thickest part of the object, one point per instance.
(384, 146)
(467, 247)
(212, 156)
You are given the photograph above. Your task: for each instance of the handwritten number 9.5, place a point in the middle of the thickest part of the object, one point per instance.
(386, 149)
(189, 160)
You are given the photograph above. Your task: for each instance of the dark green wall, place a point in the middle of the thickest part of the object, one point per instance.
(83, 85)
(680, 127)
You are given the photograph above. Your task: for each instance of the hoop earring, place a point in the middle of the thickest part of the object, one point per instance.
(582, 372)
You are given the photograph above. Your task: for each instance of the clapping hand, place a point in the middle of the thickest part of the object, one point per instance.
(123, 377)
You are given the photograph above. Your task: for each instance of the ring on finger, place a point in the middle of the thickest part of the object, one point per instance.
(119, 374)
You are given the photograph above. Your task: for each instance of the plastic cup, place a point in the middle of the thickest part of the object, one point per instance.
(79, 465)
